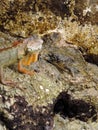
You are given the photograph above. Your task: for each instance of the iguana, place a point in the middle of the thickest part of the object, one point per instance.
(24, 52)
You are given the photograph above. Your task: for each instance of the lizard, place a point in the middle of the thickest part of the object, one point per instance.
(24, 52)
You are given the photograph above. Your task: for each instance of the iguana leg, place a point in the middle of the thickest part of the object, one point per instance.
(1, 75)
(27, 61)
(3, 81)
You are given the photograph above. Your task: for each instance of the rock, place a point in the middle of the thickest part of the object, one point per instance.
(34, 103)
(87, 11)
(63, 93)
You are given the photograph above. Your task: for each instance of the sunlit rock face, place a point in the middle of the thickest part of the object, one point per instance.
(87, 10)
(23, 18)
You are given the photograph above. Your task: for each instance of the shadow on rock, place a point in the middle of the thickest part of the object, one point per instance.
(74, 108)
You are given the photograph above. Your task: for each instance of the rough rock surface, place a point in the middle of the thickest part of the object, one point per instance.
(63, 93)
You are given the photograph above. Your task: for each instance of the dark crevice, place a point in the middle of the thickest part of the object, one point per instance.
(25, 118)
(74, 108)
(5, 121)
(91, 58)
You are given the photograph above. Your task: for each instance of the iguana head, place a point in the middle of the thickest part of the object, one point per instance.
(33, 43)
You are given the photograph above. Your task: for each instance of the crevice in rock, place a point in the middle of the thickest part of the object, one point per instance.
(92, 58)
(74, 108)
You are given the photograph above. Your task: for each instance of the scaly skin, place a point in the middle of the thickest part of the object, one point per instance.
(25, 52)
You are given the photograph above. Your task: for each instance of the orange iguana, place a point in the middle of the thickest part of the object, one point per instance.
(25, 52)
